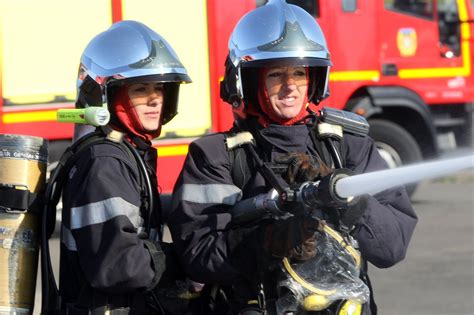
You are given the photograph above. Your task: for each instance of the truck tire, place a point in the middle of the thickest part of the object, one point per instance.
(396, 146)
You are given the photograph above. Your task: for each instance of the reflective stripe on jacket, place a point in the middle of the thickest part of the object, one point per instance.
(103, 260)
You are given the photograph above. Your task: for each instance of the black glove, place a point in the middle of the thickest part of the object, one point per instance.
(354, 210)
(323, 195)
(282, 236)
(302, 167)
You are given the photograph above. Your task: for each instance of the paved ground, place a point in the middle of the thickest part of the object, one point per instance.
(437, 276)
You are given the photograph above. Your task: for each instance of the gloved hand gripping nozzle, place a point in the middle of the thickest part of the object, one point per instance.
(321, 193)
(317, 194)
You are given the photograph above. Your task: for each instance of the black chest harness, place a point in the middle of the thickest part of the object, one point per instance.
(326, 133)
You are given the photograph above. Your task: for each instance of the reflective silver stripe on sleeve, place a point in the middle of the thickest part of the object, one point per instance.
(210, 193)
(102, 211)
(68, 239)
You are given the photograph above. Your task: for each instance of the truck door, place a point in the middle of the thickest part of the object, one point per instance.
(416, 45)
(351, 33)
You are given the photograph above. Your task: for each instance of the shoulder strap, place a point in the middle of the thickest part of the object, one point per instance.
(332, 124)
(327, 140)
(239, 162)
(246, 141)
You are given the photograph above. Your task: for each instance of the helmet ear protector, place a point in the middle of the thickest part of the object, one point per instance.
(318, 88)
(90, 94)
(229, 91)
(170, 106)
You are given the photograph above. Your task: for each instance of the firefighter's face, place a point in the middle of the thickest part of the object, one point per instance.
(287, 88)
(147, 99)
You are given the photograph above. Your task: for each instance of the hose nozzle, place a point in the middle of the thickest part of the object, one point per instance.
(323, 192)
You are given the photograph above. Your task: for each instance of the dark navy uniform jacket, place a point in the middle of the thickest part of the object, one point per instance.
(103, 259)
(211, 252)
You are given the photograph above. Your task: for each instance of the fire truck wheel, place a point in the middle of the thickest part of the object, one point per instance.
(396, 146)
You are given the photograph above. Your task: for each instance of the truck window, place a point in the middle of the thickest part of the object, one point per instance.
(419, 8)
(310, 6)
(349, 5)
(449, 28)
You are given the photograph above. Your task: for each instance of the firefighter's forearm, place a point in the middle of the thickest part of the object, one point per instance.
(385, 230)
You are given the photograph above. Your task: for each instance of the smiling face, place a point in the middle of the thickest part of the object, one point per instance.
(147, 100)
(287, 88)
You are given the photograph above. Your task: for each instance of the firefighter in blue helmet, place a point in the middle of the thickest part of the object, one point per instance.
(241, 222)
(112, 259)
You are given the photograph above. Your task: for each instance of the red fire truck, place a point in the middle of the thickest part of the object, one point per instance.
(405, 65)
